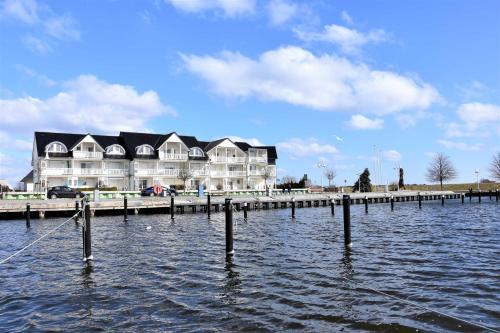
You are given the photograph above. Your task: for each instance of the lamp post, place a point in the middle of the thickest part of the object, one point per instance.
(321, 165)
(477, 179)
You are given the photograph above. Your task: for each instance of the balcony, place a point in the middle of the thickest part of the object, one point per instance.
(117, 172)
(173, 157)
(272, 173)
(168, 172)
(257, 159)
(227, 159)
(56, 171)
(145, 172)
(199, 173)
(87, 155)
(229, 173)
(83, 172)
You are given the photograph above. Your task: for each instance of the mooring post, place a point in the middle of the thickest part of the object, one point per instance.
(489, 193)
(77, 208)
(470, 194)
(392, 203)
(172, 206)
(208, 204)
(28, 215)
(87, 244)
(293, 208)
(497, 194)
(125, 209)
(479, 195)
(245, 209)
(366, 205)
(419, 200)
(332, 206)
(346, 204)
(229, 226)
(442, 200)
(462, 195)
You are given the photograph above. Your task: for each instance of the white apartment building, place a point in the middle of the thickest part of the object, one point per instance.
(133, 161)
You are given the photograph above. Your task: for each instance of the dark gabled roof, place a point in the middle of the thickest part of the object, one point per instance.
(190, 141)
(107, 140)
(28, 178)
(133, 140)
(212, 144)
(68, 139)
(203, 144)
(243, 145)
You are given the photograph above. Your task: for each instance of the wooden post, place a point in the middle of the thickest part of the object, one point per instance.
(172, 206)
(332, 206)
(366, 205)
(125, 209)
(28, 215)
(479, 195)
(419, 200)
(87, 244)
(208, 204)
(77, 208)
(245, 209)
(293, 208)
(442, 200)
(392, 203)
(470, 194)
(462, 195)
(229, 227)
(346, 204)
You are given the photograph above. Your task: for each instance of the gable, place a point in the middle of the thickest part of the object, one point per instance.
(87, 139)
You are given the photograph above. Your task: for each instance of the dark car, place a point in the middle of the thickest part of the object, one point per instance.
(64, 192)
(149, 191)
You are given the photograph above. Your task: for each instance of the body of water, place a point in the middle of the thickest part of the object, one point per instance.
(154, 274)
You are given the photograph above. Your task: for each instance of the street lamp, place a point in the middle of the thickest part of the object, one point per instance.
(321, 165)
(477, 179)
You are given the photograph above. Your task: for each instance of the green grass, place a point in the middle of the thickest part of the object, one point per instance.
(454, 187)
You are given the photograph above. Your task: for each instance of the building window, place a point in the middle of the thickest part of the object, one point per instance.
(56, 147)
(145, 150)
(115, 150)
(196, 152)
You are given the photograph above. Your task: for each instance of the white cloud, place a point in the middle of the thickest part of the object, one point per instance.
(346, 17)
(62, 27)
(86, 104)
(325, 82)
(281, 11)
(460, 145)
(25, 11)
(230, 8)
(36, 44)
(251, 141)
(43, 79)
(392, 155)
(6, 142)
(361, 122)
(349, 40)
(477, 120)
(298, 147)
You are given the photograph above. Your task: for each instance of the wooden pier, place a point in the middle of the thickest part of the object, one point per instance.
(10, 209)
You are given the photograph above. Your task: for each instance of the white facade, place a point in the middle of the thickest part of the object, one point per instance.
(224, 166)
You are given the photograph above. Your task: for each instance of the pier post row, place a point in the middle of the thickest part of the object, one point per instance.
(229, 226)
(346, 205)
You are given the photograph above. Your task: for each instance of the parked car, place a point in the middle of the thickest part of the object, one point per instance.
(149, 191)
(64, 192)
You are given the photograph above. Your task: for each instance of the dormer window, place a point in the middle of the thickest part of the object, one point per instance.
(115, 150)
(145, 150)
(56, 147)
(196, 152)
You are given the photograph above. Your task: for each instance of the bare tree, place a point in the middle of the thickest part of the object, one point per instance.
(267, 173)
(330, 174)
(441, 169)
(185, 174)
(495, 166)
(288, 179)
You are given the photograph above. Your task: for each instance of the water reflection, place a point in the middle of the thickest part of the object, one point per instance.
(232, 285)
(347, 270)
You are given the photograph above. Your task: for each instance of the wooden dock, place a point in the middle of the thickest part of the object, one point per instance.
(10, 209)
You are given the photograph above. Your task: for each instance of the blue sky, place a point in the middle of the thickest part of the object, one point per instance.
(343, 82)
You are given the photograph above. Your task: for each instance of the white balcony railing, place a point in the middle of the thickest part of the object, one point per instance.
(117, 172)
(198, 173)
(228, 173)
(168, 172)
(87, 155)
(228, 159)
(173, 157)
(257, 159)
(56, 171)
(145, 172)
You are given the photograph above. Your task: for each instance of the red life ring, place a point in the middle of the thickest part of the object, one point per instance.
(157, 189)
